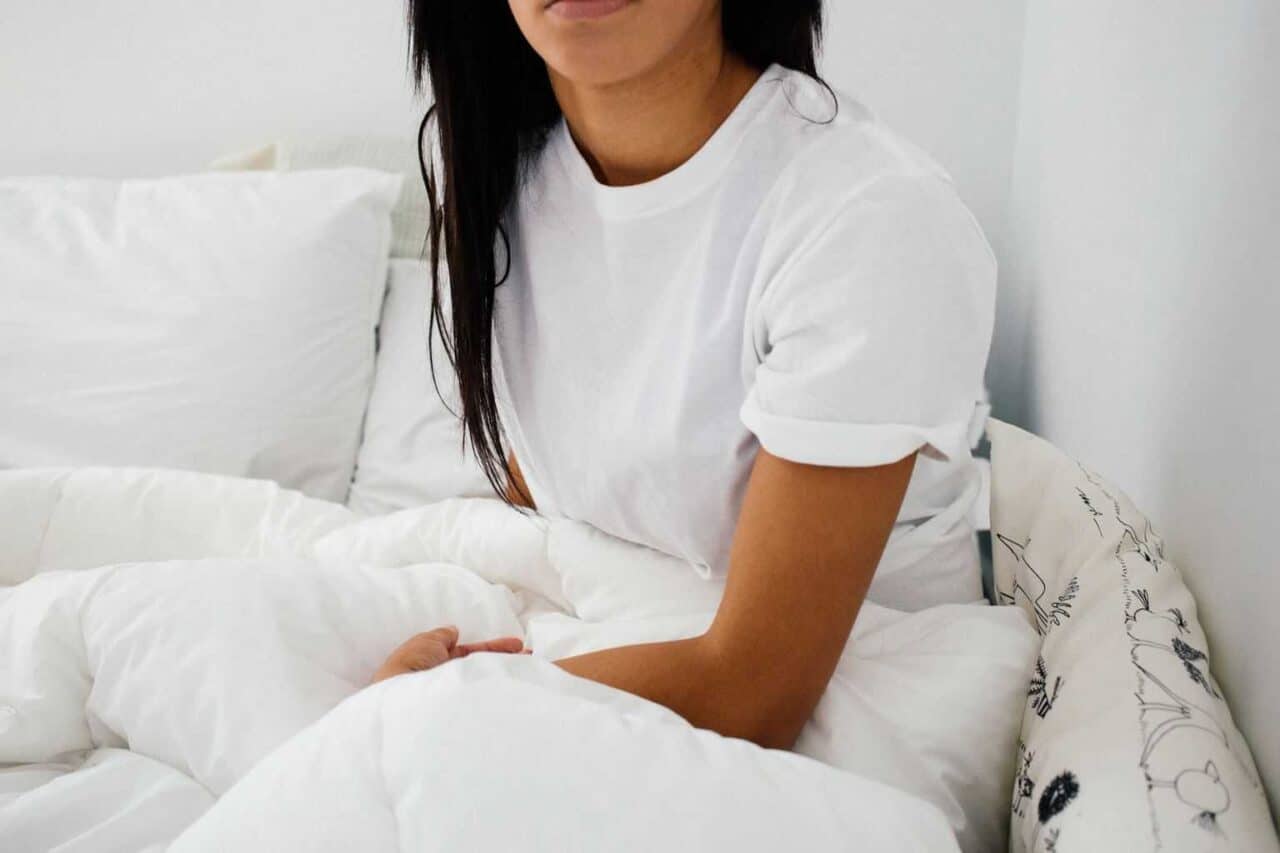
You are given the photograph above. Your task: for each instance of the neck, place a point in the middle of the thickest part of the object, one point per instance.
(639, 129)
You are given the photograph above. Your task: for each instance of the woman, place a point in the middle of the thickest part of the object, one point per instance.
(705, 305)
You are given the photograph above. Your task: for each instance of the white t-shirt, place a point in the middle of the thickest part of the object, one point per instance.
(806, 283)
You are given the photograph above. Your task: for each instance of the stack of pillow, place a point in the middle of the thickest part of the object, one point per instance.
(266, 322)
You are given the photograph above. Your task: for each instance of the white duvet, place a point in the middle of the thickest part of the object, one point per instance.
(182, 658)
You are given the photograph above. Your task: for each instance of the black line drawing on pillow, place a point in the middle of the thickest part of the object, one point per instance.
(1175, 713)
(1023, 785)
(1151, 549)
(1096, 481)
(1163, 642)
(1146, 545)
(1175, 615)
(1183, 714)
(1054, 799)
(1031, 587)
(1060, 610)
(1203, 791)
(1028, 584)
(1190, 658)
(1094, 513)
(1162, 710)
(1043, 696)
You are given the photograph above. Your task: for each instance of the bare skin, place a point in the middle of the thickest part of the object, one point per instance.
(517, 489)
(439, 645)
(642, 90)
(688, 96)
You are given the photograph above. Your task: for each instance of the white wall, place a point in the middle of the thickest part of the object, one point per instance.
(150, 87)
(1146, 263)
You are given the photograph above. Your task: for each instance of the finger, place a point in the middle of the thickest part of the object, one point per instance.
(507, 645)
(503, 645)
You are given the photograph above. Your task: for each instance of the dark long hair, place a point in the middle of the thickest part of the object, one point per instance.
(493, 111)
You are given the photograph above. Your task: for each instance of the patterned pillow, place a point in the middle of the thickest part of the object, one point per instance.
(1127, 743)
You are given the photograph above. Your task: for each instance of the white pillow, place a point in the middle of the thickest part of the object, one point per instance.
(412, 452)
(1127, 741)
(220, 323)
(398, 155)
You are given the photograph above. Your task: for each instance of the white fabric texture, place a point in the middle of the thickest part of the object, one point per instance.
(806, 283)
(127, 801)
(219, 323)
(412, 452)
(236, 618)
(1127, 741)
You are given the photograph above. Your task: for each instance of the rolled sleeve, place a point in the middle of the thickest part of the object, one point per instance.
(854, 445)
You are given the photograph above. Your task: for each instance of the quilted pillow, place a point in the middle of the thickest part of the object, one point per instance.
(1127, 742)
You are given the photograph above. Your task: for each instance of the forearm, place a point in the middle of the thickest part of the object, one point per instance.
(702, 682)
(804, 553)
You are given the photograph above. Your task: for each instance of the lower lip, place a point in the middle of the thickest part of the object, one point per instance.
(579, 10)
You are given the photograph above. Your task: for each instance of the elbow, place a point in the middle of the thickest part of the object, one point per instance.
(776, 732)
(773, 738)
(746, 703)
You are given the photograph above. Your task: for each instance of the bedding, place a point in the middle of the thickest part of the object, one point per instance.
(412, 450)
(221, 323)
(186, 652)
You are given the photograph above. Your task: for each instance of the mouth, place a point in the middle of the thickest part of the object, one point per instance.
(579, 10)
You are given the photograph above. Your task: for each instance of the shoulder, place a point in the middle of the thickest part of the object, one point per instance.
(825, 122)
(836, 156)
(850, 200)
(860, 223)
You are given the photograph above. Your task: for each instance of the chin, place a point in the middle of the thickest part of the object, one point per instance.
(595, 63)
(603, 50)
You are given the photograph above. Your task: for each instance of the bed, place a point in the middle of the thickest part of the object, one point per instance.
(185, 641)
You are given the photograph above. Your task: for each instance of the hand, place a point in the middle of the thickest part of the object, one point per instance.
(432, 648)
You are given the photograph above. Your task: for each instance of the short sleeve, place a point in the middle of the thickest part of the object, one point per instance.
(871, 339)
